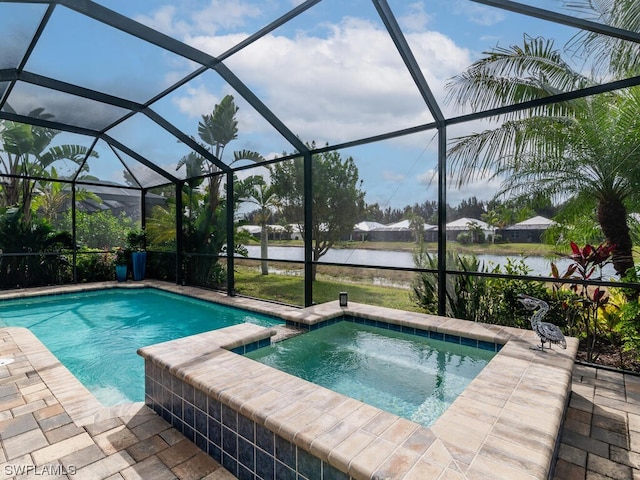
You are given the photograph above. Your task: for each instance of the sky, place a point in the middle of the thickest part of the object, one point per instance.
(331, 75)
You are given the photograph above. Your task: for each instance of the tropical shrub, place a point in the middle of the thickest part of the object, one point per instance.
(582, 304)
(501, 304)
(100, 229)
(94, 266)
(34, 254)
(620, 319)
(472, 297)
(464, 238)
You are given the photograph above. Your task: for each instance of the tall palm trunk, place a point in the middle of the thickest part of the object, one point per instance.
(264, 249)
(612, 216)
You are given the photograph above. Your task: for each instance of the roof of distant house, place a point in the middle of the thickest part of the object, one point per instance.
(464, 223)
(367, 226)
(535, 223)
(401, 226)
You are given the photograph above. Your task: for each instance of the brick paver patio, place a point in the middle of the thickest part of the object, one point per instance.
(40, 439)
(601, 435)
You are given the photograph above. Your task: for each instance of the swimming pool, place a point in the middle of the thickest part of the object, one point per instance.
(408, 375)
(96, 334)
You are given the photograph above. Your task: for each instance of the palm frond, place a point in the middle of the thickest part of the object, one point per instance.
(247, 155)
(75, 153)
(220, 127)
(611, 55)
(508, 147)
(507, 76)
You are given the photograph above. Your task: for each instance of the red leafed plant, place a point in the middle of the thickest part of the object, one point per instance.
(588, 259)
(582, 303)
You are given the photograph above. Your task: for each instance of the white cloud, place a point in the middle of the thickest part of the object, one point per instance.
(165, 20)
(479, 14)
(224, 14)
(342, 82)
(416, 19)
(214, 16)
(393, 177)
(427, 178)
(197, 101)
(348, 84)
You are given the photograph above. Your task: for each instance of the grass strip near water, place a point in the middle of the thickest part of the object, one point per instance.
(513, 249)
(289, 289)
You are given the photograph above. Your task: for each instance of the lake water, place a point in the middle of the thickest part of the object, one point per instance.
(540, 266)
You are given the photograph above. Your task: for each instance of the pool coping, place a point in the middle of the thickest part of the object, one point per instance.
(504, 425)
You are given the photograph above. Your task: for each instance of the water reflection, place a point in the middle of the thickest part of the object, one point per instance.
(540, 266)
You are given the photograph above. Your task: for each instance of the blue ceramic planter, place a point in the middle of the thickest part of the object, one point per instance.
(121, 273)
(139, 260)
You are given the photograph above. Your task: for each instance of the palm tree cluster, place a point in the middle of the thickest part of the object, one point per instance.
(584, 152)
(204, 219)
(27, 153)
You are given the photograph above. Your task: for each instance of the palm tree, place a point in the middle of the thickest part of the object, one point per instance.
(264, 196)
(611, 54)
(416, 223)
(205, 225)
(584, 151)
(25, 151)
(216, 131)
(491, 218)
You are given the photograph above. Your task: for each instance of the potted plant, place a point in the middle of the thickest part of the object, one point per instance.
(136, 242)
(120, 259)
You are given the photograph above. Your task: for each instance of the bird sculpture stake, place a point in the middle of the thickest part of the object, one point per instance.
(548, 332)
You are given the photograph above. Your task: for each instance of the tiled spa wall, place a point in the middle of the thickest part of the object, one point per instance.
(246, 449)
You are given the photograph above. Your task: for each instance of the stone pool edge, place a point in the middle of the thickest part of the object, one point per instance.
(505, 424)
(78, 402)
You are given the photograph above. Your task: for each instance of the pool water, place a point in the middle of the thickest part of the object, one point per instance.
(96, 334)
(410, 376)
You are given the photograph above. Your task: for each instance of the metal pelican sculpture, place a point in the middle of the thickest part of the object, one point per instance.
(548, 332)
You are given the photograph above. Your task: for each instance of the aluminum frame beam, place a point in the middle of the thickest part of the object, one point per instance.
(396, 34)
(132, 107)
(563, 19)
(127, 25)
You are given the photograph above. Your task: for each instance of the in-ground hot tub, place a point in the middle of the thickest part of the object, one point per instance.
(257, 420)
(404, 373)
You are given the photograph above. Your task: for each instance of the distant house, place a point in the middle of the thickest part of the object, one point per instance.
(393, 232)
(464, 224)
(276, 232)
(398, 232)
(296, 233)
(528, 231)
(119, 200)
(362, 230)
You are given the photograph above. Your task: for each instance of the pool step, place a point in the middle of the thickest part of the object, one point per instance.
(284, 332)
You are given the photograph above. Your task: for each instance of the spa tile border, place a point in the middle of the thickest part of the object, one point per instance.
(396, 327)
(495, 429)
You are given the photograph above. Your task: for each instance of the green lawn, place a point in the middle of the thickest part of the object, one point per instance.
(539, 249)
(359, 283)
(290, 289)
